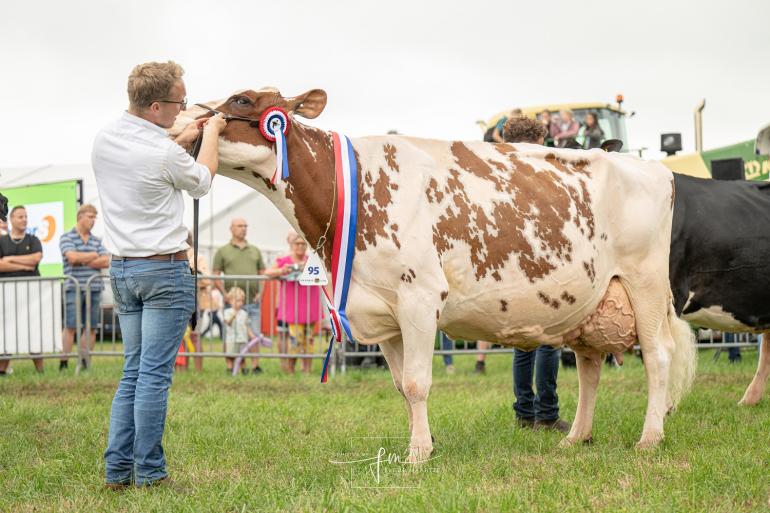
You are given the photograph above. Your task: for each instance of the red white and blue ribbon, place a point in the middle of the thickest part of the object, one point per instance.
(273, 125)
(343, 248)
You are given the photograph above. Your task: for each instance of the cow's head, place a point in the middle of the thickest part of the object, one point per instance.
(242, 146)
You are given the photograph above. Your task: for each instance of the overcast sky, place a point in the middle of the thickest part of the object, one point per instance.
(424, 68)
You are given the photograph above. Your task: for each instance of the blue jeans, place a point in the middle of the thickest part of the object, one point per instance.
(447, 344)
(545, 362)
(154, 300)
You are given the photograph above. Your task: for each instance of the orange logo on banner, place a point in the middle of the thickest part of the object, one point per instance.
(51, 223)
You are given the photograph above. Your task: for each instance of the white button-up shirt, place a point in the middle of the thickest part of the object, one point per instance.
(141, 173)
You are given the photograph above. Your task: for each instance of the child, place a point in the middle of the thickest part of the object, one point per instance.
(238, 331)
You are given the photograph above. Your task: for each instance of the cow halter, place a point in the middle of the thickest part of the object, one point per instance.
(273, 124)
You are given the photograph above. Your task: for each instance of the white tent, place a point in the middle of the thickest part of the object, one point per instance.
(227, 199)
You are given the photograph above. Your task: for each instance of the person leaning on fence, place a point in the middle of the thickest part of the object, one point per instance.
(299, 306)
(84, 256)
(20, 256)
(238, 332)
(140, 174)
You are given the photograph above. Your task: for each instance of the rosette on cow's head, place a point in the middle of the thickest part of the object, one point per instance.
(274, 125)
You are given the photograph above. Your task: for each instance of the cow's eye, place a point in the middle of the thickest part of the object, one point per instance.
(242, 101)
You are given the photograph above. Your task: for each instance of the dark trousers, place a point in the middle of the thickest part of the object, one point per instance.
(544, 361)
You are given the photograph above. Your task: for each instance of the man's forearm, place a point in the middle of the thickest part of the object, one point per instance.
(209, 154)
(101, 262)
(81, 257)
(8, 267)
(32, 259)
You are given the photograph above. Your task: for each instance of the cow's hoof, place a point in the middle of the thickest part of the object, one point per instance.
(649, 442)
(749, 399)
(419, 454)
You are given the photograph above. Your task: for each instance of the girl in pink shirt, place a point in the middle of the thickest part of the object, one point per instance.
(299, 307)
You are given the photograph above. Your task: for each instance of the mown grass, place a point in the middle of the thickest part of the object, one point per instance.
(264, 443)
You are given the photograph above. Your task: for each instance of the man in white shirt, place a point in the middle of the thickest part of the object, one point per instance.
(141, 173)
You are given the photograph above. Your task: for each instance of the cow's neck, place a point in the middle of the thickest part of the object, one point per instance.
(311, 186)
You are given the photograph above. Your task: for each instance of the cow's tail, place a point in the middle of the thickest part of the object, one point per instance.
(684, 359)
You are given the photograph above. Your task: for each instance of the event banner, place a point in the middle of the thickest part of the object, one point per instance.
(51, 211)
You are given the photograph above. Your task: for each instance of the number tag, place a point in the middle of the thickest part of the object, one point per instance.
(314, 273)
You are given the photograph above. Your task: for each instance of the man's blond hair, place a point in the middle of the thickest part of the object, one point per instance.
(152, 81)
(85, 208)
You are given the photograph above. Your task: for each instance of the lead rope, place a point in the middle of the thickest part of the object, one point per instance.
(196, 206)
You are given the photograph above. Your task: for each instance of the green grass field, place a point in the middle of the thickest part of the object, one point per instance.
(266, 443)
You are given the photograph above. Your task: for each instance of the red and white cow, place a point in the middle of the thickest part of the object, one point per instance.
(517, 244)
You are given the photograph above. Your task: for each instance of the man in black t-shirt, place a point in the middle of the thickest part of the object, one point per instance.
(20, 255)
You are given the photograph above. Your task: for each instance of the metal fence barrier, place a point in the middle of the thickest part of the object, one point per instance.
(33, 310)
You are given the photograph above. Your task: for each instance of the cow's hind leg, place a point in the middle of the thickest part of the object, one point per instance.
(393, 350)
(757, 387)
(589, 366)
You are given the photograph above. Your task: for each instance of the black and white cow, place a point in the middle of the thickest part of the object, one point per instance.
(719, 264)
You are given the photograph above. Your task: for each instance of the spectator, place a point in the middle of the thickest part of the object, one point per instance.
(141, 173)
(447, 344)
(238, 332)
(734, 352)
(594, 135)
(539, 411)
(20, 255)
(497, 134)
(550, 127)
(566, 131)
(524, 130)
(84, 257)
(238, 257)
(481, 365)
(299, 306)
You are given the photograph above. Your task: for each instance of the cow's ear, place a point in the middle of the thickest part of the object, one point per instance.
(308, 105)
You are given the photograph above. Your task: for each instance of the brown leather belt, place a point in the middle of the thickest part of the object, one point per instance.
(179, 255)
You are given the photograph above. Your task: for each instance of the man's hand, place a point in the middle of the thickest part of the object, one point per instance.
(190, 133)
(215, 123)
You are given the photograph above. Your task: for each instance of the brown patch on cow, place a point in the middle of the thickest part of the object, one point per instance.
(472, 163)
(539, 197)
(406, 278)
(569, 298)
(437, 314)
(566, 166)
(590, 270)
(270, 185)
(444, 295)
(390, 157)
(503, 305)
(546, 299)
(412, 273)
(239, 168)
(603, 236)
(375, 197)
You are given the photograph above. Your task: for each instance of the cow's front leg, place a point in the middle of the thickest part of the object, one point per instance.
(589, 367)
(393, 350)
(757, 387)
(416, 380)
